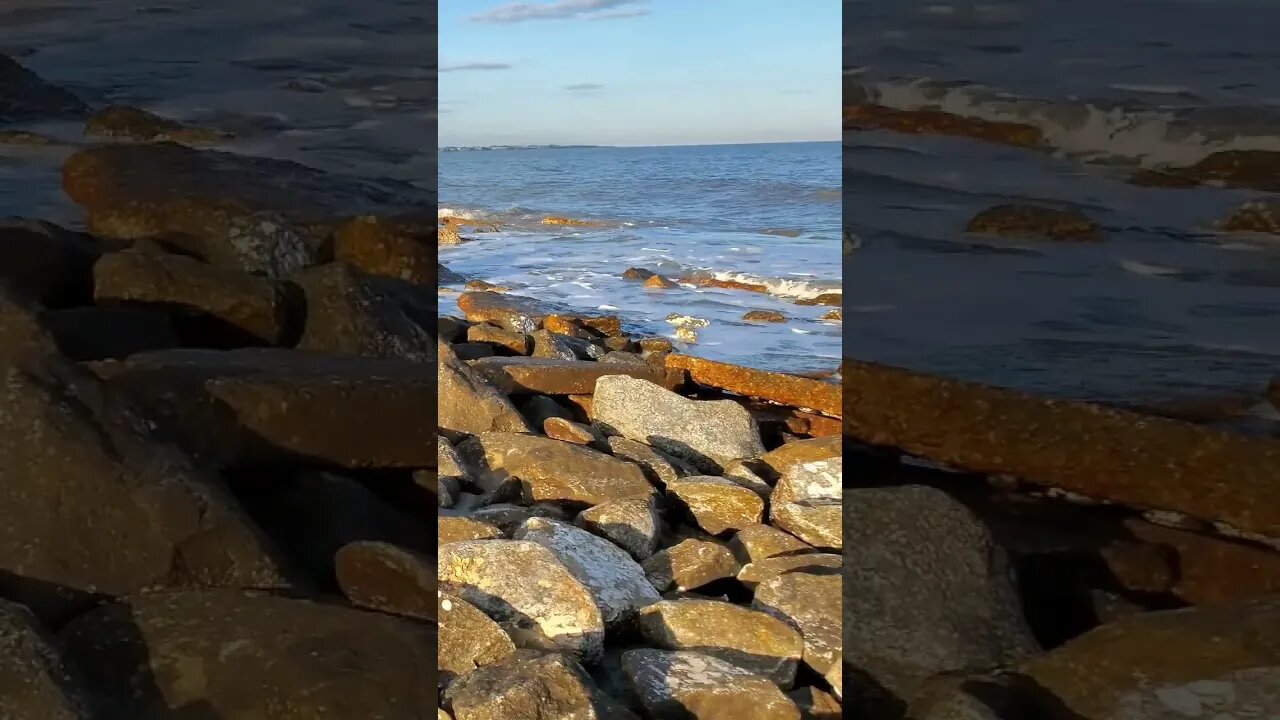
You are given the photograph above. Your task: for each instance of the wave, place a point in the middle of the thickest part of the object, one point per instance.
(793, 288)
(1151, 136)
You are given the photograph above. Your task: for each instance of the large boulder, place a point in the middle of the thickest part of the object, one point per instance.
(35, 682)
(551, 470)
(353, 313)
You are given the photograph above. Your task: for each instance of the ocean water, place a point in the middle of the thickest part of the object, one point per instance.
(765, 214)
(346, 87)
(1166, 307)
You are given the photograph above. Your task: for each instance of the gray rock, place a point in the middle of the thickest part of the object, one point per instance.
(466, 639)
(633, 523)
(817, 522)
(469, 404)
(927, 591)
(659, 467)
(815, 480)
(809, 602)
(752, 640)
(691, 685)
(707, 433)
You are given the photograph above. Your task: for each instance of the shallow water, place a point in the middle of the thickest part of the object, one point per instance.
(1165, 307)
(347, 87)
(766, 214)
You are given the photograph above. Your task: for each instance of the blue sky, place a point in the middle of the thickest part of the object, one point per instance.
(639, 72)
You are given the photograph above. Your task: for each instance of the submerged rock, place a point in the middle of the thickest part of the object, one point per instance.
(1031, 221)
(131, 123)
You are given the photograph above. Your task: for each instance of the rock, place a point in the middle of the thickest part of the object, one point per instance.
(717, 504)
(754, 573)
(393, 247)
(554, 376)
(63, 434)
(724, 283)
(690, 564)
(524, 314)
(444, 276)
(572, 432)
(1254, 169)
(247, 308)
(25, 97)
(1258, 216)
(817, 522)
(550, 470)
(131, 123)
(708, 433)
(24, 138)
(775, 463)
(469, 404)
(459, 529)
(570, 222)
(809, 602)
(540, 408)
(769, 316)
(631, 523)
(448, 235)
(832, 316)
(35, 683)
(508, 517)
(381, 576)
(45, 263)
(657, 282)
(864, 116)
(1207, 570)
(743, 473)
(1106, 454)
(262, 407)
(927, 590)
(657, 466)
(638, 274)
(754, 543)
(238, 654)
(517, 343)
(468, 639)
(686, 684)
(352, 313)
(524, 582)
(253, 214)
(551, 345)
(686, 335)
(817, 705)
(616, 582)
(448, 462)
(687, 321)
(831, 299)
(751, 640)
(1030, 221)
(530, 685)
(817, 480)
(109, 333)
(781, 388)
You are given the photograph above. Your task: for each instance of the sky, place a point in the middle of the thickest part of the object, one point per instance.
(639, 72)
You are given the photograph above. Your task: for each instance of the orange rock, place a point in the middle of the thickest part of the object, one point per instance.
(725, 284)
(1030, 221)
(657, 282)
(937, 122)
(1260, 216)
(1102, 453)
(393, 247)
(829, 299)
(123, 121)
(777, 387)
(570, 222)
(551, 376)
(563, 325)
(1211, 569)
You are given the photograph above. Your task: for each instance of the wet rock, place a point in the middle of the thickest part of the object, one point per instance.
(123, 122)
(531, 685)
(468, 639)
(724, 283)
(749, 639)
(553, 376)
(1258, 216)
(754, 543)
(253, 214)
(246, 307)
(937, 122)
(638, 274)
(448, 235)
(385, 577)
(35, 683)
(24, 138)
(817, 522)
(716, 504)
(927, 590)
(468, 403)
(690, 564)
(353, 313)
(524, 314)
(754, 573)
(525, 583)
(1128, 458)
(659, 467)
(786, 389)
(832, 299)
(832, 316)
(243, 654)
(657, 282)
(517, 343)
(809, 602)
(81, 464)
(264, 407)
(770, 316)
(393, 247)
(1030, 221)
(631, 523)
(444, 276)
(550, 470)
(1254, 169)
(48, 264)
(687, 684)
(24, 96)
(572, 432)
(616, 582)
(458, 529)
(707, 433)
(551, 345)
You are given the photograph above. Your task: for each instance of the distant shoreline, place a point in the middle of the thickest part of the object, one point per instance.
(480, 148)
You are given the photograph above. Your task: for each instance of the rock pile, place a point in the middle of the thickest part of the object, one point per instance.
(626, 532)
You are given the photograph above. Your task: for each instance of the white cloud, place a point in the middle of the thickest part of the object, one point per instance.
(559, 10)
(455, 67)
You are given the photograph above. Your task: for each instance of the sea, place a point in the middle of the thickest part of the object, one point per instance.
(345, 87)
(764, 214)
(1166, 307)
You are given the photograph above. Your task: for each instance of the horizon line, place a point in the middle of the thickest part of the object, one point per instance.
(552, 146)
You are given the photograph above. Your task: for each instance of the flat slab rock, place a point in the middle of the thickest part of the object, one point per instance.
(527, 584)
(560, 376)
(242, 654)
(823, 397)
(551, 470)
(687, 684)
(525, 314)
(382, 576)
